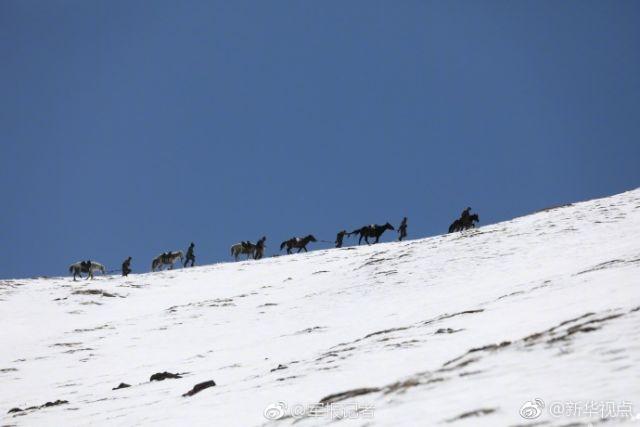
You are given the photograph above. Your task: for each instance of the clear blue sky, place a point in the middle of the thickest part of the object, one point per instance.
(134, 127)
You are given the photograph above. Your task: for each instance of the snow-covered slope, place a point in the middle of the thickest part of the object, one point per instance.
(458, 330)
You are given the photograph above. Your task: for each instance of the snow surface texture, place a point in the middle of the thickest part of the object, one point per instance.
(458, 330)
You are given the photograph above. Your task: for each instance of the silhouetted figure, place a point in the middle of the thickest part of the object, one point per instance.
(464, 216)
(466, 221)
(126, 267)
(402, 229)
(259, 252)
(190, 256)
(340, 238)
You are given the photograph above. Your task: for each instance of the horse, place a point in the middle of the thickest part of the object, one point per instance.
(297, 242)
(373, 230)
(460, 224)
(168, 258)
(85, 267)
(248, 249)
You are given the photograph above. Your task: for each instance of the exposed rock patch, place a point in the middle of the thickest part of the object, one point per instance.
(121, 385)
(199, 387)
(161, 376)
(31, 408)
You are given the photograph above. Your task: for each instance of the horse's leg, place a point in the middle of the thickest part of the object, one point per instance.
(360, 239)
(305, 248)
(300, 249)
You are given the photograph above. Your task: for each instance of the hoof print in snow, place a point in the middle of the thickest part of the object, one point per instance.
(122, 385)
(476, 413)
(161, 376)
(310, 330)
(199, 387)
(280, 367)
(94, 292)
(268, 304)
(447, 331)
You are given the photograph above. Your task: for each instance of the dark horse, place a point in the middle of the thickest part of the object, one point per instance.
(373, 230)
(460, 224)
(297, 242)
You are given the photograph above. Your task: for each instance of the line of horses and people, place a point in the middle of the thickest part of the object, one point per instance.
(256, 250)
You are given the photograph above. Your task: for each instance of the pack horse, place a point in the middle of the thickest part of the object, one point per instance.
(297, 242)
(85, 267)
(166, 258)
(373, 231)
(245, 248)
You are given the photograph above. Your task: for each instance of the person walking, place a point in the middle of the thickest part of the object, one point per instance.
(126, 267)
(259, 252)
(402, 229)
(190, 256)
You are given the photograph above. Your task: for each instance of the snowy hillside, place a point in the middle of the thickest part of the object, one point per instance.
(457, 330)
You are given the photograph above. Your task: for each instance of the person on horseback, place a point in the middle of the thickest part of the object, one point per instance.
(126, 267)
(464, 217)
(339, 238)
(402, 229)
(190, 256)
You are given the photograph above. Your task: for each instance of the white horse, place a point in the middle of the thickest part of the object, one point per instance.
(85, 267)
(166, 258)
(239, 248)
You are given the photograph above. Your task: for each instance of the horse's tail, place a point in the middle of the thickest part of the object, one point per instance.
(233, 249)
(71, 268)
(283, 244)
(354, 232)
